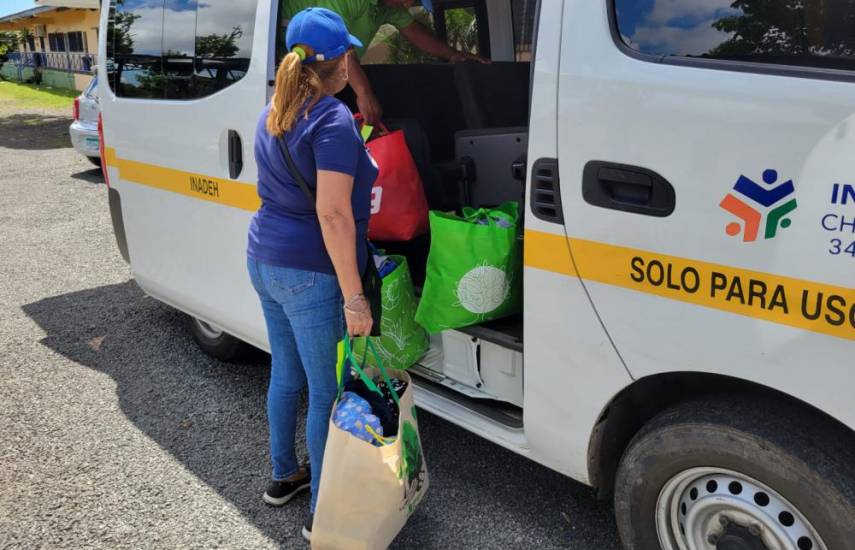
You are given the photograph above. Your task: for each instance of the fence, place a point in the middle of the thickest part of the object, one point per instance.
(60, 61)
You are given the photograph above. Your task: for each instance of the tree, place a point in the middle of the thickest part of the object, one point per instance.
(8, 42)
(462, 29)
(218, 46)
(773, 28)
(119, 28)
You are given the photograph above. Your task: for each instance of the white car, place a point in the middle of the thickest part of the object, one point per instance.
(84, 129)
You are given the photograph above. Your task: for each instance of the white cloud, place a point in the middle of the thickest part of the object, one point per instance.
(667, 10)
(680, 41)
(178, 29)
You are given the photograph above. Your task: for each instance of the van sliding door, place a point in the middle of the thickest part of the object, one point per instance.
(186, 82)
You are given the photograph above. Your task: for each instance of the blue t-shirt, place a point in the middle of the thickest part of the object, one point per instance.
(285, 231)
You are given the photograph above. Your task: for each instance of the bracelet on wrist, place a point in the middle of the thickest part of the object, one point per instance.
(363, 311)
(356, 298)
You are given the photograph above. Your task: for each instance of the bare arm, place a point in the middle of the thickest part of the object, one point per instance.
(338, 227)
(428, 42)
(366, 101)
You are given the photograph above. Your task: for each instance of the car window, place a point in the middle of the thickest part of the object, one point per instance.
(178, 49)
(134, 38)
(460, 23)
(813, 33)
(523, 12)
(92, 89)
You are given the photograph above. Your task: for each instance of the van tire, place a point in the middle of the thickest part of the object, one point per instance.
(804, 457)
(95, 160)
(215, 342)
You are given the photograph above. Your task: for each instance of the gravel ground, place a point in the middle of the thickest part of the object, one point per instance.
(117, 432)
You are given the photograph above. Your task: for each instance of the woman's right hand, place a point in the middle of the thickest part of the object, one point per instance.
(358, 318)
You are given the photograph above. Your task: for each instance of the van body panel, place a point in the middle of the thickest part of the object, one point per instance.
(186, 220)
(564, 341)
(701, 130)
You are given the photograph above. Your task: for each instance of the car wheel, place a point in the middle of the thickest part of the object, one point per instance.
(95, 160)
(724, 474)
(214, 341)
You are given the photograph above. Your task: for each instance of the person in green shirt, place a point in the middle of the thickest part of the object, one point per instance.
(363, 19)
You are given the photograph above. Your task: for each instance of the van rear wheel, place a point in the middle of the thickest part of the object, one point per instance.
(95, 160)
(214, 341)
(730, 474)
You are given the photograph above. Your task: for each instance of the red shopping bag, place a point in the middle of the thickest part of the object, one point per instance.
(399, 209)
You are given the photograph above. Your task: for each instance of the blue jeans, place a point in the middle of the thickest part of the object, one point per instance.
(305, 322)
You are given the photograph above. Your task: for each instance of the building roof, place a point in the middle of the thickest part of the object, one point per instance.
(90, 4)
(32, 12)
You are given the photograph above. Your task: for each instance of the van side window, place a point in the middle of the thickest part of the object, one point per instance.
(178, 49)
(135, 35)
(460, 23)
(390, 47)
(461, 28)
(811, 33)
(223, 43)
(523, 12)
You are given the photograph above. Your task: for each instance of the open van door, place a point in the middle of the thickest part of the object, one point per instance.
(182, 89)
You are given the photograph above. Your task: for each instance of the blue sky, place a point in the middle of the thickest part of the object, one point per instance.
(679, 27)
(8, 7)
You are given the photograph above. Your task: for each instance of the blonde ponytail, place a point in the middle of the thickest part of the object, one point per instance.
(297, 84)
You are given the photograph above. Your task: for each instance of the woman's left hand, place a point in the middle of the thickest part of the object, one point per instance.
(358, 318)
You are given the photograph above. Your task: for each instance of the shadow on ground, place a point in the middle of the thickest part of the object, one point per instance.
(34, 131)
(210, 416)
(94, 175)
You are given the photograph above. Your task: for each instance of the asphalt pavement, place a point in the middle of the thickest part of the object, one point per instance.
(117, 432)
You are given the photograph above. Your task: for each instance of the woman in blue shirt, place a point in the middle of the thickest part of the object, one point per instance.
(305, 259)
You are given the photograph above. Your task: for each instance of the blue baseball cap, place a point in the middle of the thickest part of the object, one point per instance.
(322, 30)
(428, 5)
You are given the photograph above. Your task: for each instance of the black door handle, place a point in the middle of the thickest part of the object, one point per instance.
(235, 154)
(518, 169)
(627, 188)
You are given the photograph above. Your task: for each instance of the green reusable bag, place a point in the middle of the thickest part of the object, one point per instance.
(474, 269)
(403, 341)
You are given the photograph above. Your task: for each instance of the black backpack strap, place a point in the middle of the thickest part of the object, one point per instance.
(295, 173)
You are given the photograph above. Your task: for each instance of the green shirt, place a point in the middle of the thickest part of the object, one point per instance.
(363, 18)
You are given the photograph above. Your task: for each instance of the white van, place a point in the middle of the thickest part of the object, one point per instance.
(687, 173)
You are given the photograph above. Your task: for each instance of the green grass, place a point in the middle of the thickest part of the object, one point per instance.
(30, 95)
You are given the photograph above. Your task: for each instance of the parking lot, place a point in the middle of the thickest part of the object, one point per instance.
(118, 432)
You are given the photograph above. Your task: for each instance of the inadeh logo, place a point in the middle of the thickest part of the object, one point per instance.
(774, 199)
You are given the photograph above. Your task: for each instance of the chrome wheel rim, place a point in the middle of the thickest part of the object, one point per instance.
(208, 330)
(714, 508)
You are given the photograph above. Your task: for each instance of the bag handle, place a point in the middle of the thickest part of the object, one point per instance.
(380, 439)
(346, 352)
(491, 215)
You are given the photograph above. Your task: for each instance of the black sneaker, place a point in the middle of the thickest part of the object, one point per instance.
(307, 528)
(280, 492)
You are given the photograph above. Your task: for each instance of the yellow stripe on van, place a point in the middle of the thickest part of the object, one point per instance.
(549, 252)
(808, 305)
(199, 186)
